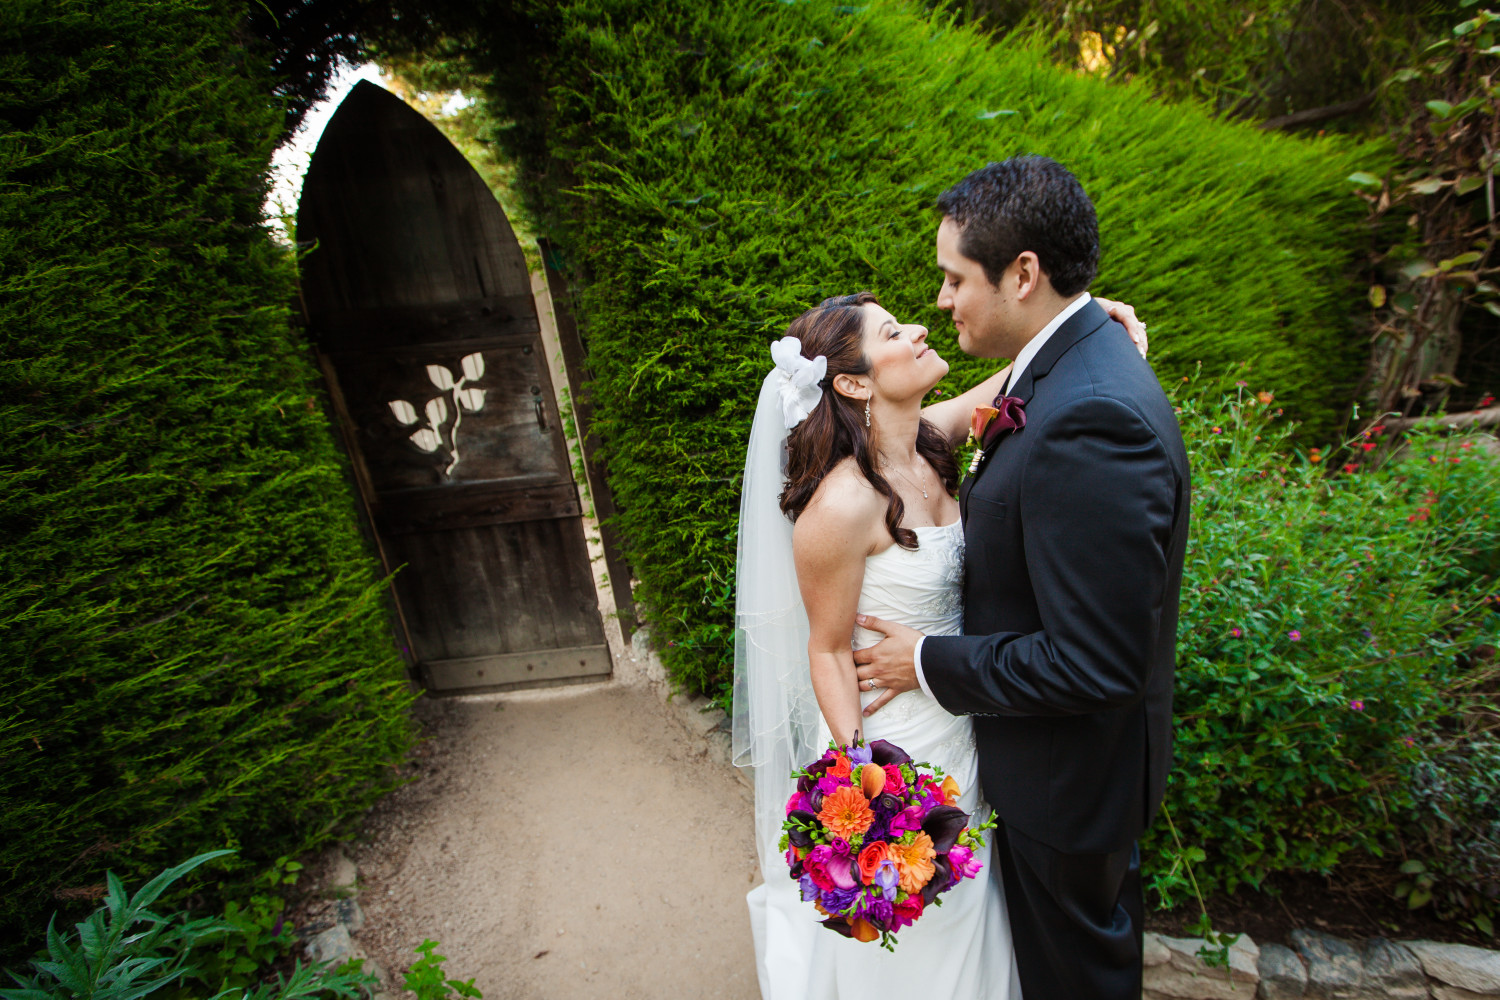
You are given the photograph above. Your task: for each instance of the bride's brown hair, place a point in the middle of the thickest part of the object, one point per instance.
(836, 426)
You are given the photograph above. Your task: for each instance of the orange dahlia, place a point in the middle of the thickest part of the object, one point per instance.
(913, 862)
(847, 812)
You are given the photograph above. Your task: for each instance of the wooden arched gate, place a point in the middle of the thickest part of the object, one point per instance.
(418, 299)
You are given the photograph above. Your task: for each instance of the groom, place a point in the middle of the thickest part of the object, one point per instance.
(1075, 526)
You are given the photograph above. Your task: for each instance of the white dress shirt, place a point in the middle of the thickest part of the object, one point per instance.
(1023, 358)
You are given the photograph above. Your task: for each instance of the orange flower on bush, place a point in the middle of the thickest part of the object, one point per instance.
(914, 862)
(847, 812)
(870, 859)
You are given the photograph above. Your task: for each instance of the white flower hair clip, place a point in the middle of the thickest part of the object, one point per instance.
(799, 388)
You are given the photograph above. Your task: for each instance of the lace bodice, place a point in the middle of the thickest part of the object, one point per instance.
(921, 587)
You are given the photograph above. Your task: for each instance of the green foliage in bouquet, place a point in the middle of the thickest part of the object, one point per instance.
(194, 641)
(715, 168)
(1331, 625)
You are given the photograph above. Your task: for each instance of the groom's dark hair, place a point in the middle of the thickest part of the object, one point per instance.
(1026, 203)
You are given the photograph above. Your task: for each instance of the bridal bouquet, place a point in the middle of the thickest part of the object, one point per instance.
(874, 838)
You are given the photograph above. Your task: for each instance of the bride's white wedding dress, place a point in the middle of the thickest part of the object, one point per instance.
(961, 949)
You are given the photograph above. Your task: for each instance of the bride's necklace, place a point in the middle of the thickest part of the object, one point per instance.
(909, 482)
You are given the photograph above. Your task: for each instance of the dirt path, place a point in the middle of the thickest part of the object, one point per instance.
(568, 843)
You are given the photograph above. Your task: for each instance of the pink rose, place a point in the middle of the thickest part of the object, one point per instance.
(894, 783)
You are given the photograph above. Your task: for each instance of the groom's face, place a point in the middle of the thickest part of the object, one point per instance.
(982, 314)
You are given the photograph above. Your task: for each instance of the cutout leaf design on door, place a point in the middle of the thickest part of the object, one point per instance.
(429, 438)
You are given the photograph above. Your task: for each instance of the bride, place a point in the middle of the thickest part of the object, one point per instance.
(848, 507)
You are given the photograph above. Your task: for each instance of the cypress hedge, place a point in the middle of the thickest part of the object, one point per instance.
(716, 167)
(195, 645)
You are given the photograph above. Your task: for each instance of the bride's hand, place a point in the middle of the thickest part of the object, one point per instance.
(1125, 316)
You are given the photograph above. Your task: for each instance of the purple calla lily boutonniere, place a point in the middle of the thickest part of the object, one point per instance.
(989, 422)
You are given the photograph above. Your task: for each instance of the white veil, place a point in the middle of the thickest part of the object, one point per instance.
(776, 718)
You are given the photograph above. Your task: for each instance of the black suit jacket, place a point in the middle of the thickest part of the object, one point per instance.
(1075, 526)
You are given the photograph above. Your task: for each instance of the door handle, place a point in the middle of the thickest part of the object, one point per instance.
(541, 415)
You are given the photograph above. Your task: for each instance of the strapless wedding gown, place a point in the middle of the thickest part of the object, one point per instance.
(962, 949)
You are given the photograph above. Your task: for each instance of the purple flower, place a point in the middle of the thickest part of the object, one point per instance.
(860, 755)
(877, 912)
(886, 877)
(839, 900)
(1294, 635)
(1236, 632)
(809, 889)
(828, 784)
(909, 818)
(1357, 705)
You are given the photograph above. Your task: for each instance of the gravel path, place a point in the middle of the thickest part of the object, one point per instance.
(567, 843)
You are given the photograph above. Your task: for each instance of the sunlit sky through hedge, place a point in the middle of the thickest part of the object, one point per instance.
(289, 165)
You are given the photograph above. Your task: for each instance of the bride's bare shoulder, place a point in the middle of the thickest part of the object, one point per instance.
(845, 510)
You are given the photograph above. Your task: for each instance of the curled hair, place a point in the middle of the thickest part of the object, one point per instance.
(836, 426)
(1026, 203)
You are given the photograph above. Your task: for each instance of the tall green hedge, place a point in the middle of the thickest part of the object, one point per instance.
(195, 652)
(716, 167)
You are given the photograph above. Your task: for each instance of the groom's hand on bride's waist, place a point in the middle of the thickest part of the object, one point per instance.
(890, 663)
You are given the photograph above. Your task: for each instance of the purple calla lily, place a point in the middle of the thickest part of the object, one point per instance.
(943, 824)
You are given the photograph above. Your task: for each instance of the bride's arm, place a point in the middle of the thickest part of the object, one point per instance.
(830, 542)
(951, 416)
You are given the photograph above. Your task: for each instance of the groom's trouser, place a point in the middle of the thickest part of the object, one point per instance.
(1075, 919)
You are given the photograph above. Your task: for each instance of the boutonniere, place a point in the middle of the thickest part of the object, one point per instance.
(989, 422)
(978, 423)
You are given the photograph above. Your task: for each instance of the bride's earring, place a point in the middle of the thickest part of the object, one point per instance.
(867, 413)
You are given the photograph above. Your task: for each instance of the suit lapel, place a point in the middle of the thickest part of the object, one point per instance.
(1081, 324)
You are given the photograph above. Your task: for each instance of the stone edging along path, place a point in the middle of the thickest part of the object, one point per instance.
(1321, 966)
(1317, 966)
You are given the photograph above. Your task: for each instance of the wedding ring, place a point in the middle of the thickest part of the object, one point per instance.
(873, 685)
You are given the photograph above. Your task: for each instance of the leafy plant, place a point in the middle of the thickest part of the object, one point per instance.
(425, 977)
(255, 934)
(1434, 216)
(124, 951)
(1327, 620)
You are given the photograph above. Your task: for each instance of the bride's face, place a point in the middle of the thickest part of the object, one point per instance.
(902, 364)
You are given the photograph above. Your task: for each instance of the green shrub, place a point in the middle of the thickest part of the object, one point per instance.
(195, 648)
(124, 951)
(1327, 622)
(714, 168)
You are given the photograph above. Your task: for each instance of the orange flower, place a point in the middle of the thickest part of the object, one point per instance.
(846, 813)
(981, 420)
(870, 859)
(950, 790)
(863, 930)
(1265, 398)
(841, 767)
(914, 862)
(872, 780)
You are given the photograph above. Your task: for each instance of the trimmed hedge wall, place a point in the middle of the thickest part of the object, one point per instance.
(716, 167)
(195, 648)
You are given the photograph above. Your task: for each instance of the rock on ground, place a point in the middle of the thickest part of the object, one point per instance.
(1185, 976)
(1475, 970)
